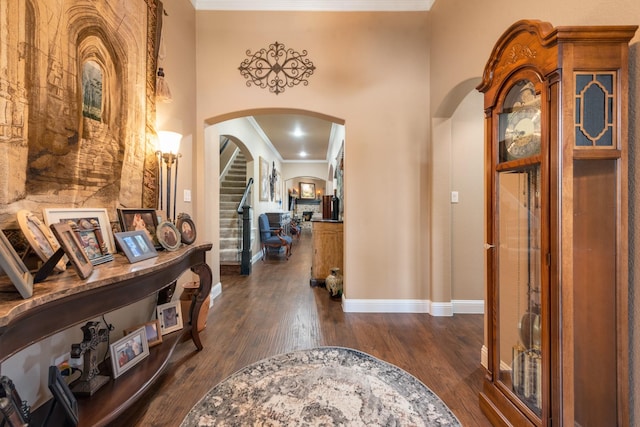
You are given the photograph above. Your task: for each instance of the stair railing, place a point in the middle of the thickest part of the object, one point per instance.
(244, 209)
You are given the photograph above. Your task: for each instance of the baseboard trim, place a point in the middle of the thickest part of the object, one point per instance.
(216, 291)
(438, 309)
(463, 306)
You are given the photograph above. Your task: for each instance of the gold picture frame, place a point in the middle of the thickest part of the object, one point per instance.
(41, 239)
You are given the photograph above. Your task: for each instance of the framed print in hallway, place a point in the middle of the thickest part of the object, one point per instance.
(307, 190)
(264, 180)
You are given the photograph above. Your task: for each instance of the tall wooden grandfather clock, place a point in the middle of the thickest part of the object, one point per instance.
(556, 189)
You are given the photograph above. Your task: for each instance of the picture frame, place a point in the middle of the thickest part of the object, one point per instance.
(13, 410)
(264, 180)
(92, 227)
(168, 236)
(307, 190)
(63, 396)
(136, 245)
(132, 219)
(187, 228)
(128, 351)
(170, 317)
(14, 268)
(72, 248)
(152, 331)
(41, 239)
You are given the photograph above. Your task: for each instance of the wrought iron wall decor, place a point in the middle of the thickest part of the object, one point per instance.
(276, 68)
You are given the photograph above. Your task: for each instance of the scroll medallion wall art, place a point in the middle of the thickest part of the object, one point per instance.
(276, 68)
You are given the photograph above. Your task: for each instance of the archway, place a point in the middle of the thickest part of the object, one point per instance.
(239, 127)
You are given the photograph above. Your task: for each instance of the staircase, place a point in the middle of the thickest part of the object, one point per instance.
(231, 188)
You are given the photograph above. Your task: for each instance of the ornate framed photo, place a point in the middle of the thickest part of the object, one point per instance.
(187, 229)
(14, 268)
(63, 396)
(136, 245)
(92, 228)
(168, 236)
(128, 351)
(73, 248)
(151, 329)
(170, 317)
(140, 219)
(307, 190)
(42, 241)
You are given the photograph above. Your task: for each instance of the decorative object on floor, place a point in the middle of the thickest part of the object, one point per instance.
(189, 293)
(168, 236)
(276, 68)
(187, 228)
(90, 380)
(333, 282)
(170, 317)
(40, 238)
(128, 351)
(321, 386)
(63, 396)
(73, 249)
(14, 268)
(136, 245)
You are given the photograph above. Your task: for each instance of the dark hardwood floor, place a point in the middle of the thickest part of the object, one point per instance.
(274, 310)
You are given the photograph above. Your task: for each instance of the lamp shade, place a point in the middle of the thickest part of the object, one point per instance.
(169, 142)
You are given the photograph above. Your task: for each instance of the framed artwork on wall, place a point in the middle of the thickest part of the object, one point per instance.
(307, 190)
(264, 180)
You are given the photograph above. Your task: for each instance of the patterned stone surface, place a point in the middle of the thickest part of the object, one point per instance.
(328, 386)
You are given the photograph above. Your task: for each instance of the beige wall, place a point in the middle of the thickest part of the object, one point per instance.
(372, 72)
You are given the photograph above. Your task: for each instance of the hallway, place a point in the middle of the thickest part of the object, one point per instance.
(274, 310)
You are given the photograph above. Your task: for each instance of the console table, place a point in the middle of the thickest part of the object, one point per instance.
(64, 300)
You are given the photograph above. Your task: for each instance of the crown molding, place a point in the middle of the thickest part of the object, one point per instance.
(316, 5)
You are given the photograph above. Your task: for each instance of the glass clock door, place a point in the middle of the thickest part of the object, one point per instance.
(519, 271)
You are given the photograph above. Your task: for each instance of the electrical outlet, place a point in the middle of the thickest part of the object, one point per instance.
(76, 363)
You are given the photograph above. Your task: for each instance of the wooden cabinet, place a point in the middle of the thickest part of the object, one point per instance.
(69, 301)
(557, 210)
(327, 249)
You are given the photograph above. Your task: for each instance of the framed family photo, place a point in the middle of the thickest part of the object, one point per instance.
(73, 248)
(128, 351)
(92, 228)
(132, 219)
(14, 268)
(136, 245)
(170, 317)
(187, 229)
(169, 236)
(152, 330)
(41, 239)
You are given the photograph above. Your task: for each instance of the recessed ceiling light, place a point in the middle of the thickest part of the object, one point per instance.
(303, 154)
(298, 132)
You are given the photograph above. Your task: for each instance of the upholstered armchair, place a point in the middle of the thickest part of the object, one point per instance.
(270, 238)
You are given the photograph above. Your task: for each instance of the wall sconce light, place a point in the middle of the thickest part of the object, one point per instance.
(168, 147)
